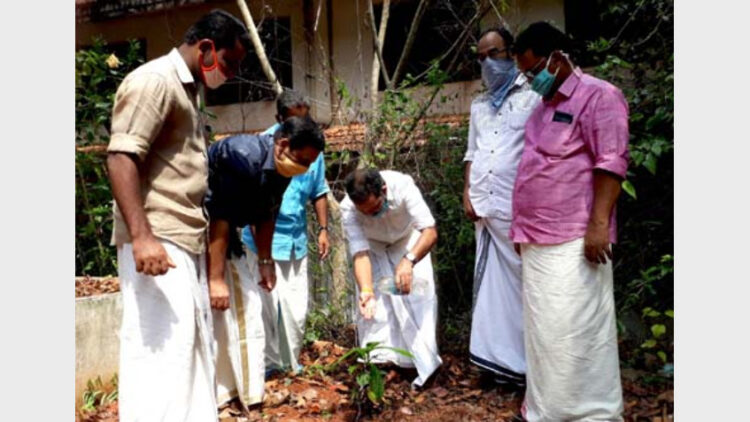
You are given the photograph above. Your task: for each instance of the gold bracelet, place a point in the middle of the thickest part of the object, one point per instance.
(265, 261)
(365, 291)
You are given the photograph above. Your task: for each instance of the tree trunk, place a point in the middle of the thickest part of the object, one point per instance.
(259, 50)
(421, 8)
(375, 62)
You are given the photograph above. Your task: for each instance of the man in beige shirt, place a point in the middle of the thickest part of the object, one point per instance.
(158, 170)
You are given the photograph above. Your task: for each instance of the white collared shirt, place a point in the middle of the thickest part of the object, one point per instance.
(495, 146)
(407, 211)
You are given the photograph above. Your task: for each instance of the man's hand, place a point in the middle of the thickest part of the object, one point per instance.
(324, 246)
(468, 208)
(218, 292)
(267, 276)
(150, 257)
(367, 304)
(596, 243)
(404, 274)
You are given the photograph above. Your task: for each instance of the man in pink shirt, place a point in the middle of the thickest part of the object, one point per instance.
(563, 222)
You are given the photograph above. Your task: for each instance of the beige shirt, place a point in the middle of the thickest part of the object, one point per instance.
(156, 118)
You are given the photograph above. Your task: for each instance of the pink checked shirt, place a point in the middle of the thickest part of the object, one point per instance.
(582, 128)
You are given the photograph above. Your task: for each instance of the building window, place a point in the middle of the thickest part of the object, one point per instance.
(439, 29)
(275, 34)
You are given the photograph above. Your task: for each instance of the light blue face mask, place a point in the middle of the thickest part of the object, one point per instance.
(382, 210)
(543, 81)
(498, 76)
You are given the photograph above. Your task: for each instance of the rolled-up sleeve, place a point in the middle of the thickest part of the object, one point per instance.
(416, 205)
(355, 236)
(608, 133)
(141, 106)
(320, 186)
(471, 145)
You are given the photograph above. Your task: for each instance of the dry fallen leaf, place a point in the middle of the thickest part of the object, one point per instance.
(339, 387)
(276, 398)
(439, 392)
(406, 411)
(667, 396)
(309, 394)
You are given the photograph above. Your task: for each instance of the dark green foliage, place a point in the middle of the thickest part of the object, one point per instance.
(637, 56)
(96, 84)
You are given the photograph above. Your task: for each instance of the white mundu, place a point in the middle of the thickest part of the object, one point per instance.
(166, 357)
(494, 149)
(581, 335)
(284, 314)
(240, 337)
(407, 322)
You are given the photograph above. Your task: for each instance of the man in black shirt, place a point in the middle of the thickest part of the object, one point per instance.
(248, 175)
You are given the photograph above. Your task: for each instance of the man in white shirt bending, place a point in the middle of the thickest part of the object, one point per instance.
(390, 232)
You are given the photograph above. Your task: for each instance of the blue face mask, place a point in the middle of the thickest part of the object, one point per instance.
(543, 81)
(382, 210)
(498, 76)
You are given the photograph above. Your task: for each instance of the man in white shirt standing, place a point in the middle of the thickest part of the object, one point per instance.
(390, 231)
(496, 134)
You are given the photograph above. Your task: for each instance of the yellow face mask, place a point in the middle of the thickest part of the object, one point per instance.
(288, 168)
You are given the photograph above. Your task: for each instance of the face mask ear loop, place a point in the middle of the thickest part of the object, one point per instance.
(215, 59)
(549, 60)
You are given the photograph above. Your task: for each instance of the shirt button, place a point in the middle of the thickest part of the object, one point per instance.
(490, 171)
(495, 132)
(491, 192)
(492, 151)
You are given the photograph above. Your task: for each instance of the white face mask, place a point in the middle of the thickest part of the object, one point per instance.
(213, 76)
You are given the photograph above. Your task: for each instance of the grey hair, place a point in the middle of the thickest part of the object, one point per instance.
(289, 98)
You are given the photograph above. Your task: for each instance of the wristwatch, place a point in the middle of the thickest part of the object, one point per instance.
(411, 258)
(322, 228)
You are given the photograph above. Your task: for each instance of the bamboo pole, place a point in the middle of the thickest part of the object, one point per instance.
(375, 61)
(259, 50)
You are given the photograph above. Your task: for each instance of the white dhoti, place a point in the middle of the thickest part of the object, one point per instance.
(573, 371)
(406, 322)
(285, 313)
(240, 370)
(166, 357)
(497, 318)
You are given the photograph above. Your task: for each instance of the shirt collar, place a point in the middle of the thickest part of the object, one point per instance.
(570, 84)
(520, 79)
(268, 162)
(517, 83)
(183, 72)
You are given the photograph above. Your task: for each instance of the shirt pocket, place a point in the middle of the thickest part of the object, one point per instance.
(558, 139)
(517, 118)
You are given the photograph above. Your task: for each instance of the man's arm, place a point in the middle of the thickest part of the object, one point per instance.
(468, 208)
(471, 147)
(405, 269)
(606, 134)
(596, 241)
(150, 256)
(363, 276)
(263, 240)
(218, 242)
(321, 212)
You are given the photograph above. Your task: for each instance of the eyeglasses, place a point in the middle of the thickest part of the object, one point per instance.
(493, 53)
(531, 73)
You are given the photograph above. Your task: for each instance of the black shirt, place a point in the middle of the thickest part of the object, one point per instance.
(243, 185)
